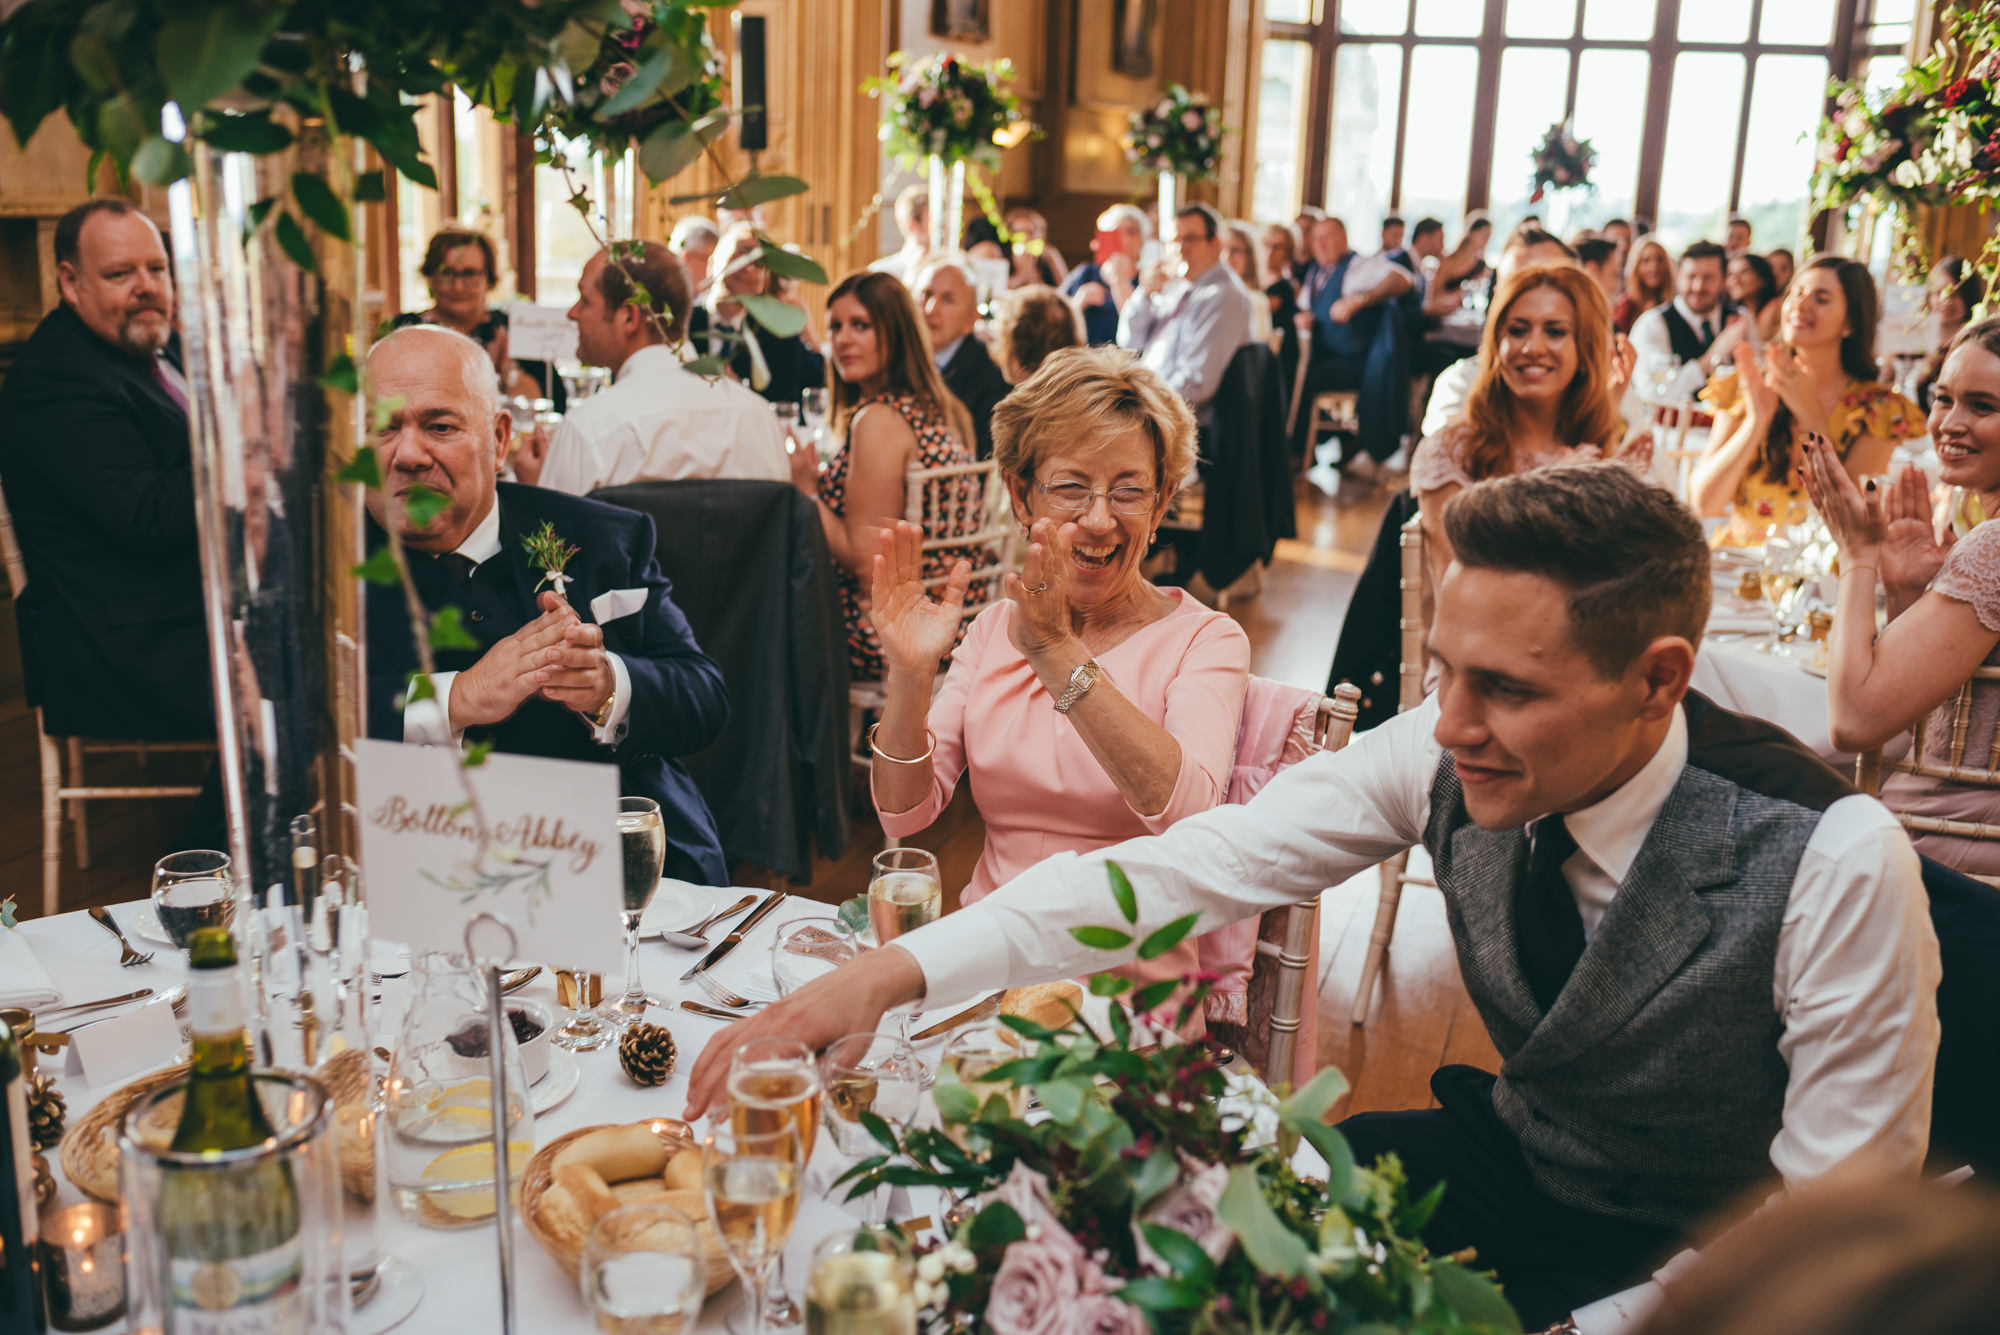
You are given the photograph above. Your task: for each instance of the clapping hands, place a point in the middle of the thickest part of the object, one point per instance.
(916, 630)
(1041, 591)
(1888, 528)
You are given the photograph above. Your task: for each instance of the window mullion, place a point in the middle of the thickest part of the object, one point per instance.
(1485, 106)
(1659, 96)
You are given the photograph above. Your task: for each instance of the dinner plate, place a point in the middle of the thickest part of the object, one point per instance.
(676, 907)
(558, 1084)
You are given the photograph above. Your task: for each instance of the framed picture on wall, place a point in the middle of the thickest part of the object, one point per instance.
(964, 20)
(1132, 23)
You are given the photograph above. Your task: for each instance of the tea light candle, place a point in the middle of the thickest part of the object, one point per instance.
(83, 1266)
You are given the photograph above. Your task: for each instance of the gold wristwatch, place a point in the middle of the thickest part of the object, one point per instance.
(1080, 682)
(602, 718)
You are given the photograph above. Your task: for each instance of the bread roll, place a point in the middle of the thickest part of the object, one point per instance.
(1050, 1004)
(617, 1153)
(592, 1195)
(563, 1218)
(683, 1172)
(643, 1191)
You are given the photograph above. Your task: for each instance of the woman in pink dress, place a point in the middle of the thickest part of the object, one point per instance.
(1089, 706)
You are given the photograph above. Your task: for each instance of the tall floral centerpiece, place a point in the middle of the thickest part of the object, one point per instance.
(1179, 140)
(1931, 140)
(1160, 1194)
(943, 112)
(1562, 165)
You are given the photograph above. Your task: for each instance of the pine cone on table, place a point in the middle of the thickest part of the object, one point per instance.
(647, 1053)
(46, 1113)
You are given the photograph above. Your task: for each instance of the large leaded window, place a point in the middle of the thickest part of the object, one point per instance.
(1697, 108)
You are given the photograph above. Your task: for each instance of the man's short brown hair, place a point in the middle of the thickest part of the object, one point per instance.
(1631, 557)
(659, 271)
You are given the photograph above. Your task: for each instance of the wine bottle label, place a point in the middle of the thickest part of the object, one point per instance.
(214, 1002)
(258, 1294)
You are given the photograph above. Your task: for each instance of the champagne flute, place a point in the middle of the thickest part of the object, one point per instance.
(644, 1271)
(580, 991)
(774, 1083)
(862, 1283)
(1778, 578)
(872, 1073)
(812, 407)
(904, 893)
(643, 837)
(193, 890)
(751, 1185)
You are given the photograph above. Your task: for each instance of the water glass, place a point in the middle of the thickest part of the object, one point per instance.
(643, 837)
(193, 890)
(644, 1271)
(585, 1030)
(809, 948)
(751, 1186)
(787, 411)
(871, 1073)
(862, 1280)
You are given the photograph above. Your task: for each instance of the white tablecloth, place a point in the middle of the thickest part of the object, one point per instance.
(460, 1269)
(1774, 687)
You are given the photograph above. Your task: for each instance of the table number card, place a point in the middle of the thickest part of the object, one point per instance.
(538, 847)
(540, 333)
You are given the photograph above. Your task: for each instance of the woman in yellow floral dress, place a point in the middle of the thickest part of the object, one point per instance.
(1820, 379)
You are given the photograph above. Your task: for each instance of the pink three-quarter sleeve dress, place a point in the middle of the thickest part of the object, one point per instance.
(1039, 789)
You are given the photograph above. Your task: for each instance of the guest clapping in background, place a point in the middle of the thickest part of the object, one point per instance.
(1090, 706)
(1820, 380)
(1102, 286)
(1754, 289)
(895, 416)
(1944, 603)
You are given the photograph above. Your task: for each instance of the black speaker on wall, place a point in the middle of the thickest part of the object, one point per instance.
(749, 81)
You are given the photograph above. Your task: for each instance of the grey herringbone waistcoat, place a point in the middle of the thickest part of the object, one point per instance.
(1652, 1088)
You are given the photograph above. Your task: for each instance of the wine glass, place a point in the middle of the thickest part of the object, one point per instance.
(751, 1185)
(773, 1083)
(585, 1030)
(643, 837)
(1661, 370)
(862, 1279)
(644, 1271)
(1778, 578)
(192, 890)
(904, 893)
(869, 1073)
(787, 411)
(807, 948)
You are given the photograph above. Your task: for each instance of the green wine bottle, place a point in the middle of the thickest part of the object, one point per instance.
(20, 1284)
(229, 1236)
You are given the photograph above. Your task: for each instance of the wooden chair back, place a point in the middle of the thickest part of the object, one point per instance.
(983, 528)
(1977, 770)
(10, 551)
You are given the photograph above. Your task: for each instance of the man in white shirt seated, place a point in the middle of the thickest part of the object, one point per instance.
(1187, 329)
(913, 219)
(1685, 328)
(657, 421)
(1706, 962)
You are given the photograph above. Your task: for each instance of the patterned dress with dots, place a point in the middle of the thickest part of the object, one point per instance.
(960, 510)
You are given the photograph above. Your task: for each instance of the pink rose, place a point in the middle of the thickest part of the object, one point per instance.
(1103, 1314)
(1190, 119)
(1190, 1209)
(1036, 1288)
(1028, 1193)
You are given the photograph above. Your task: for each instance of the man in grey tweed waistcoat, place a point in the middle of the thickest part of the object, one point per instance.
(1702, 981)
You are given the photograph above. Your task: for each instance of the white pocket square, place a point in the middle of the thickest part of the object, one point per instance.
(615, 603)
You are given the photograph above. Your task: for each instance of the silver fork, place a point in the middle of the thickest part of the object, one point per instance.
(127, 956)
(723, 994)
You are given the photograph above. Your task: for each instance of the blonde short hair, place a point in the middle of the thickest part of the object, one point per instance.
(1087, 395)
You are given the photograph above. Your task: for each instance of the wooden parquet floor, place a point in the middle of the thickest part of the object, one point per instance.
(1420, 1017)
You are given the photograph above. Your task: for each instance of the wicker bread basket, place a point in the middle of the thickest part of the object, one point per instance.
(89, 1150)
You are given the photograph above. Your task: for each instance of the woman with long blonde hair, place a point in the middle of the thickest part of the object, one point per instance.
(1649, 282)
(1544, 394)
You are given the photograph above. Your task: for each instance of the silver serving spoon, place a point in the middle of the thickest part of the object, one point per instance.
(693, 938)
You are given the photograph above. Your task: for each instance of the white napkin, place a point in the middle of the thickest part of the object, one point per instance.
(23, 980)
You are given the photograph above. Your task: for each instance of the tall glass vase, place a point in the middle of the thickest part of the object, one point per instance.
(277, 535)
(947, 204)
(1170, 203)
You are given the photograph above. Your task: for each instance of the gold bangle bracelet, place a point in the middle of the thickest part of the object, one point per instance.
(929, 751)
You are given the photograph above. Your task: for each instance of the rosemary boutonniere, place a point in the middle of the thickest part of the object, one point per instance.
(548, 553)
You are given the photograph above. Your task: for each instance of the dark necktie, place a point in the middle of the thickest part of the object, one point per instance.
(1548, 929)
(459, 567)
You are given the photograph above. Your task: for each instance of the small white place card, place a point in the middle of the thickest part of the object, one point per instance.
(531, 841)
(110, 1052)
(540, 333)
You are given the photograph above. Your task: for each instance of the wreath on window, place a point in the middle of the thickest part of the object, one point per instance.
(1563, 162)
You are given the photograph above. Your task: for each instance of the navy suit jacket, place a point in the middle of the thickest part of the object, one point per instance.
(1350, 341)
(679, 704)
(99, 477)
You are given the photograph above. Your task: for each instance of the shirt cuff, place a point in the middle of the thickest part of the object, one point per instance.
(1622, 1311)
(614, 729)
(958, 957)
(428, 722)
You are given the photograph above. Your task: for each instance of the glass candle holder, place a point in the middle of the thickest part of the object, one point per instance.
(83, 1266)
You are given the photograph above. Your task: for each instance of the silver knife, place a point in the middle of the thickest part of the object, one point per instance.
(735, 938)
(716, 1012)
(62, 1013)
(990, 1006)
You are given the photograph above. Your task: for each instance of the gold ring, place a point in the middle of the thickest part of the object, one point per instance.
(1035, 591)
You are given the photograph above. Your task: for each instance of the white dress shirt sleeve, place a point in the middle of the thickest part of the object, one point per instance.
(1136, 321)
(572, 465)
(1315, 825)
(1449, 392)
(1649, 335)
(613, 730)
(428, 722)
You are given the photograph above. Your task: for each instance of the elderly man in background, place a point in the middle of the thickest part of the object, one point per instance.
(950, 306)
(913, 220)
(1187, 329)
(1105, 284)
(95, 459)
(694, 240)
(1340, 312)
(658, 421)
(604, 669)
